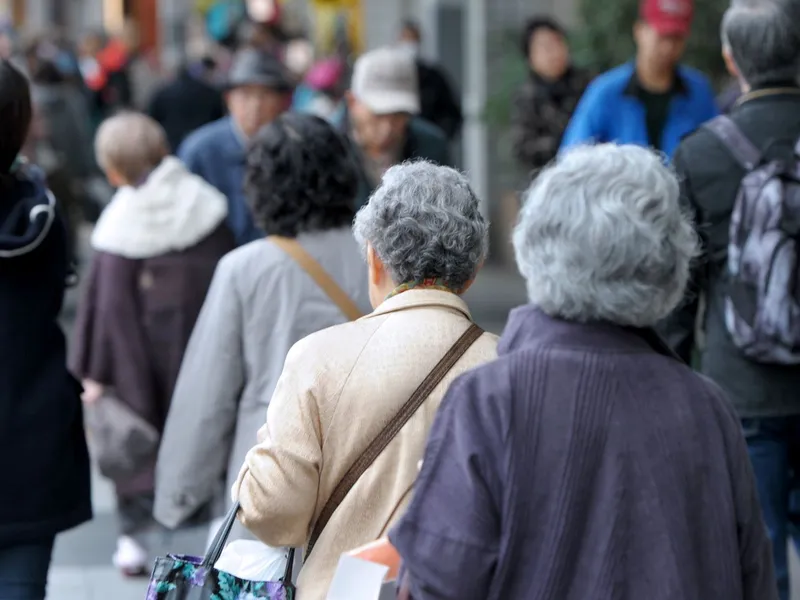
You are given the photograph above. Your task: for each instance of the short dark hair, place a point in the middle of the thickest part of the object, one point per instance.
(535, 24)
(764, 39)
(301, 176)
(16, 113)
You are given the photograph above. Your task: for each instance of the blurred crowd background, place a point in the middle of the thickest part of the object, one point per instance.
(96, 56)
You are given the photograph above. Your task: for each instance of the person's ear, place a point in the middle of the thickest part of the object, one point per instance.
(730, 64)
(638, 30)
(471, 281)
(115, 179)
(377, 273)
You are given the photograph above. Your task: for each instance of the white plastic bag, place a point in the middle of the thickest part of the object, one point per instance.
(253, 561)
(357, 579)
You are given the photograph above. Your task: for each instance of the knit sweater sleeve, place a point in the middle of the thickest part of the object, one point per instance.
(450, 535)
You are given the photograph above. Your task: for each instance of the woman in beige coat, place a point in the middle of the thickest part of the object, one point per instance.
(424, 239)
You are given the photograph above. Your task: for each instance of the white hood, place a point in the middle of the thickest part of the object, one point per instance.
(172, 211)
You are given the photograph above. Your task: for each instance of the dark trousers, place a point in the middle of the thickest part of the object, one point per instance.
(774, 446)
(136, 513)
(23, 570)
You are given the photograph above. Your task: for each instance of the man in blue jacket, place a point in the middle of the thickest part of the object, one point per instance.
(259, 90)
(652, 101)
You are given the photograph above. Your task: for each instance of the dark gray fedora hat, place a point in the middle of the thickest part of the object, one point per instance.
(256, 67)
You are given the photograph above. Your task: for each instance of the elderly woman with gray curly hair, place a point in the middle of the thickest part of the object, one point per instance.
(347, 424)
(588, 462)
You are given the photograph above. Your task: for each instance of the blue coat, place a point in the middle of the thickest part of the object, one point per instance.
(43, 457)
(216, 152)
(610, 111)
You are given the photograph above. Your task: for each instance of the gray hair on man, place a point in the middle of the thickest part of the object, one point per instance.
(132, 144)
(763, 39)
(601, 237)
(424, 222)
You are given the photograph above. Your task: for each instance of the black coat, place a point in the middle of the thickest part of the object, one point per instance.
(43, 457)
(185, 104)
(438, 102)
(710, 179)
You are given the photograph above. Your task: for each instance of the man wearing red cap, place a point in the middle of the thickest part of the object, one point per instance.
(652, 101)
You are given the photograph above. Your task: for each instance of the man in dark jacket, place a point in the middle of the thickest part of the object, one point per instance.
(762, 49)
(187, 103)
(259, 90)
(438, 101)
(382, 103)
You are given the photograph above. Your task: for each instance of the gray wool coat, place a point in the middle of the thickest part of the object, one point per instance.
(259, 305)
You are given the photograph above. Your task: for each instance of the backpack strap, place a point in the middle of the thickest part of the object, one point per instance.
(737, 143)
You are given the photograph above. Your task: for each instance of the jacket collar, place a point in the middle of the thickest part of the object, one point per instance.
(528, 326)
(422, 299)
(634, 86)
(779, 89)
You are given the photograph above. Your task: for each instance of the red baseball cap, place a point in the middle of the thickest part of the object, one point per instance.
(668, 17)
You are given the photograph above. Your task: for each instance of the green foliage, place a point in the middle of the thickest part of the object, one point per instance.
(606, 37)
(507, 71)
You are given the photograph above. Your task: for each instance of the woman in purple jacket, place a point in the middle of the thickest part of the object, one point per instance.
(588, 462)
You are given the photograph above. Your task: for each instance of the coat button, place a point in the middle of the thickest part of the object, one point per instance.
(146, 280)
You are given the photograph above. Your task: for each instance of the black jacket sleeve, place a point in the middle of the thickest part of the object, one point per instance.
(439, 103)
(679, 328)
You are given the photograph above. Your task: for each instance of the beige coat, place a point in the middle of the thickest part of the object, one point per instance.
(338, 389)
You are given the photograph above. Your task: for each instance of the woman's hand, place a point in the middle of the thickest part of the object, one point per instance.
(92, 391)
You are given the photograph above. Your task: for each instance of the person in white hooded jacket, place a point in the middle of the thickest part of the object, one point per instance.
(156, 248)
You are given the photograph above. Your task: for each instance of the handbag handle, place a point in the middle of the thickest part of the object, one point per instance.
(218, 544)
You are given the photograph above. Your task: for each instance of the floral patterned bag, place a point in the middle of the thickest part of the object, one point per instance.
(177, 577)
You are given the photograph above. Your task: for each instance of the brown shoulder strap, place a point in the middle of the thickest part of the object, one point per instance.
(317, 273)
(394, 426)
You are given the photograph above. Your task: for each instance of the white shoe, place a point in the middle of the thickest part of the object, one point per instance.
(130, 557)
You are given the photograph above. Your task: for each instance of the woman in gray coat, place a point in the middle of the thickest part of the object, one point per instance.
(301, 183)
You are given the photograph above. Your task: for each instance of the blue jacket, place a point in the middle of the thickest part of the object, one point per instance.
(216, 152)
(610, 110)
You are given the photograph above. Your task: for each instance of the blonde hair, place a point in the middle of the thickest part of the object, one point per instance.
(132, 144)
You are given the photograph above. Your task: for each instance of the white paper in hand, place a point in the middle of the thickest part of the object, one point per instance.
(253, 561)
(357, 579)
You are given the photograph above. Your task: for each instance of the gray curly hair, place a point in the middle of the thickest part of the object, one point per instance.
(602, 237)
(424, 222)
